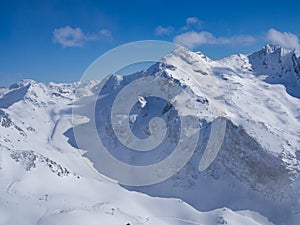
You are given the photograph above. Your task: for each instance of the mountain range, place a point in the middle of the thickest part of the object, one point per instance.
(46, 178)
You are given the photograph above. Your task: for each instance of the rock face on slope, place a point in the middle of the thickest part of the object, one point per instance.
(274, 60)
(257, 167)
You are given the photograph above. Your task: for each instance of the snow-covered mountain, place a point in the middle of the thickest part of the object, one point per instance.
(274, 64)
(46, 179)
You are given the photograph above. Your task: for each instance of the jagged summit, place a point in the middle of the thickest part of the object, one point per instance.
(280, 65)
(23, 83)
(271, 48)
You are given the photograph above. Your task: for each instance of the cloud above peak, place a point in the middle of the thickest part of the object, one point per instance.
(192, 36)
(193, 22)
(75, 37)
(192, 39)
(284, 39)
(163, 31)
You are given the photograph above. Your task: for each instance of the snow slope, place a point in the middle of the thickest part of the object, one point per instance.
(46, 179)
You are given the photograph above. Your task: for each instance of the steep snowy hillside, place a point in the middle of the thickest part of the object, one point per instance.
(273, 64)
(258, 162)
(46, 179)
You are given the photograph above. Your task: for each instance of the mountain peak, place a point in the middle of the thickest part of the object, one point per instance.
(187, 55)
(274, 59)
(271, 48)
(23, 83)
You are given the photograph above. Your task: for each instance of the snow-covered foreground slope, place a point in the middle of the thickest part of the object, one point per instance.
(45, 181)
(254, 180)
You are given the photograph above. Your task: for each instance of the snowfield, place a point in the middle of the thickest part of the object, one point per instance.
(46, 179)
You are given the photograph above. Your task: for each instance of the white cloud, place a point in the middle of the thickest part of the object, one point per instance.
(161, 31)
(190, 23)
(193, 21)
(68, 36)
(106, 34)
(284, 39)
(75, 37)
(193, 39)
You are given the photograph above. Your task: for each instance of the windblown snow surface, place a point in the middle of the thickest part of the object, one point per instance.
(45, 179)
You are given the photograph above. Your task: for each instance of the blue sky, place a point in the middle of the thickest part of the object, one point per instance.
(57, 40)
